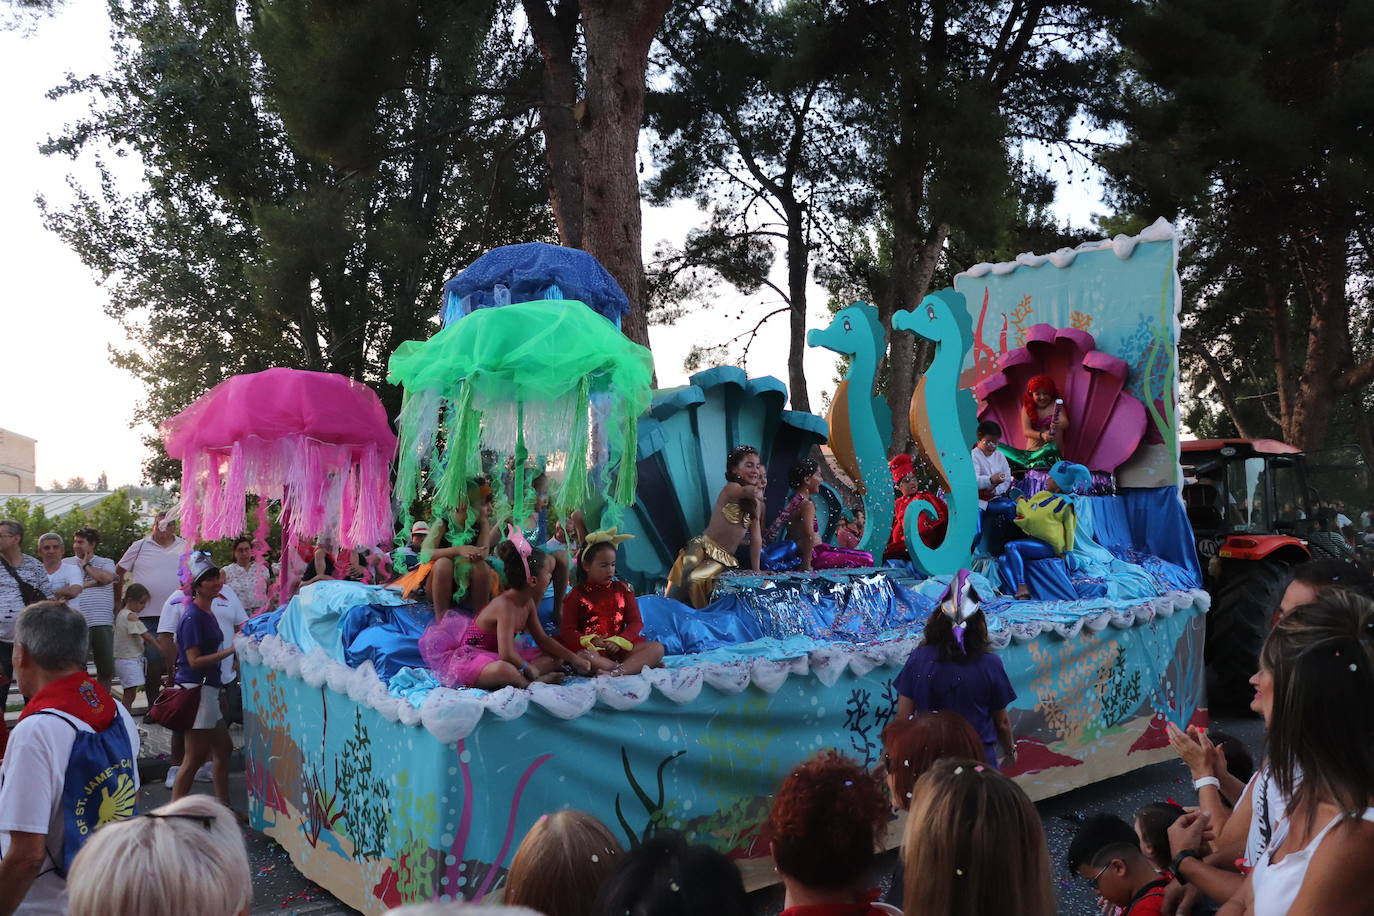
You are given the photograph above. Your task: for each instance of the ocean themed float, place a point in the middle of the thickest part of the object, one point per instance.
(387, 787)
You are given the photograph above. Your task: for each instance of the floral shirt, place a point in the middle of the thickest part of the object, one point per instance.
(249, 584)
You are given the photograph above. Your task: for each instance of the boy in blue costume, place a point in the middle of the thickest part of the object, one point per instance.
(1049, 522)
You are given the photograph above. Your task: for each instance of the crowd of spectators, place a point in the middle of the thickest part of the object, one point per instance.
(1294, 835)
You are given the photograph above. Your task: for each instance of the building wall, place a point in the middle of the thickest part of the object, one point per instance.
(16, 463)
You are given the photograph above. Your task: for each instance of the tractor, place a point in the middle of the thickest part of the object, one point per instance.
(1247, 502)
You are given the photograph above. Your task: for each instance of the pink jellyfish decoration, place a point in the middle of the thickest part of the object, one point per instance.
(317, 442)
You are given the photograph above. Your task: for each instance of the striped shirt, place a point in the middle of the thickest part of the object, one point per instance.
(96, 602)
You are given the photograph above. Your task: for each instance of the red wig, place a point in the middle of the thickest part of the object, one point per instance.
(1039, 383)
(827, 821)
(911, 746)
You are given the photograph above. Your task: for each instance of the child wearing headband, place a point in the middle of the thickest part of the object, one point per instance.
(482, 651)
(735, 523)
(600, 615)
(955, 669)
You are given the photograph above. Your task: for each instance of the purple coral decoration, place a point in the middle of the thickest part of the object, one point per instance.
(1106, 422)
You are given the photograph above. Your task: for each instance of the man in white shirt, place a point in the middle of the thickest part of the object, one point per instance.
(96, 601)
(65, 578)
(989, 464)
(71, 731)
(230, 614)
(155, 563)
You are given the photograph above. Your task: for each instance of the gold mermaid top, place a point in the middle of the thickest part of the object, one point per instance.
(734, 513)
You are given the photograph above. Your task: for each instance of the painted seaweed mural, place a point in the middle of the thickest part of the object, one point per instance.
(366, 797)
(653, 807)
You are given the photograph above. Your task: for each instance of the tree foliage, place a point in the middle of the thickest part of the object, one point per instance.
(944, 95)
(752, 132)
(116, 517)
(884, 137)
(292, 213)
(1250, 121)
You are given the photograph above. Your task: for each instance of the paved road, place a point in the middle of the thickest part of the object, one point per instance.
(279, 889)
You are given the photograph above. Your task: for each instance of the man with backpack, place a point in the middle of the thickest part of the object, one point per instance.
(71, 765)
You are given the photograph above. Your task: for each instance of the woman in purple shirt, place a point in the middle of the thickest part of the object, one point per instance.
(199, 655)
(954, 669)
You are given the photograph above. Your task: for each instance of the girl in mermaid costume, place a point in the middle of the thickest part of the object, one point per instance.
(481, 651)
(1049, 523)
(734, 519)
(1044, 421)
(601, 619)
(805, 550)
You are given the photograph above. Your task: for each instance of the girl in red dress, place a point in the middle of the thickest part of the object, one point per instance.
(600, 619)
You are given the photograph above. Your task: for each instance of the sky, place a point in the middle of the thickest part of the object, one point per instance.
(57, 338)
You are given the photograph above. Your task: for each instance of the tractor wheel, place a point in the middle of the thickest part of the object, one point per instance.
(1244, 599)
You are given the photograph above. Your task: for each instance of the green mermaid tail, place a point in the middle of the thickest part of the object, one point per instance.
(1025, 459)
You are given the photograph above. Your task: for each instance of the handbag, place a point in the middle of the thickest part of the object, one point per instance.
(231, 702)
(176, 706)
(28, 593)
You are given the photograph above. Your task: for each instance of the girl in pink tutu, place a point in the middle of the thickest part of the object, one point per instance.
(481, 651)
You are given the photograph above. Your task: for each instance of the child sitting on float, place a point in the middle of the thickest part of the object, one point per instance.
(482, 651)
(852, 531)
(734, 520)
(805, 550)
(441, 570)
(541, 527)
(601, 618)
(1043, 418)
(1049, 523)
(908, 491)
(994, 479)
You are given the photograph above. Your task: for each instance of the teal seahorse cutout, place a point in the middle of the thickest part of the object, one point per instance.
(861, 424)
(944, 423)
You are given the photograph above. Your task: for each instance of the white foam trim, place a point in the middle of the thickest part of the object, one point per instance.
(450, 715)
(1123, 246)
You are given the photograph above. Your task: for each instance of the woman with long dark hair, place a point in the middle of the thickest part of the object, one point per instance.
(956, 669)
(735, 518)
(798, 518)
(1315, 690)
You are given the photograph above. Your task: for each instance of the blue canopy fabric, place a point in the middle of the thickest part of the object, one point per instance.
(528, 272)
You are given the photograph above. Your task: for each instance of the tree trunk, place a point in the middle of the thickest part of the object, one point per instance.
(555, 33)
(617, 34)
(1328, 339)
(912, 283)
(798, 267)
(1223, 386)
(1363, 432)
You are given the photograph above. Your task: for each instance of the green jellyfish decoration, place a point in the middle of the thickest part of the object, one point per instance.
(549, 378)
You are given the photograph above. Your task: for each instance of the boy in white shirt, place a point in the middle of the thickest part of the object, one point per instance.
(994, 480)
(989, 464)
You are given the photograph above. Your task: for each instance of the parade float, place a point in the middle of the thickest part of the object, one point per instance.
(387, 787)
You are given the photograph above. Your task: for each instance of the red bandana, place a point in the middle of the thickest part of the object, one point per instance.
(79, 697)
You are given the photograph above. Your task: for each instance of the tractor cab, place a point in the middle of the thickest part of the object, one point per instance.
(1248, 507)
(1246, 500)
